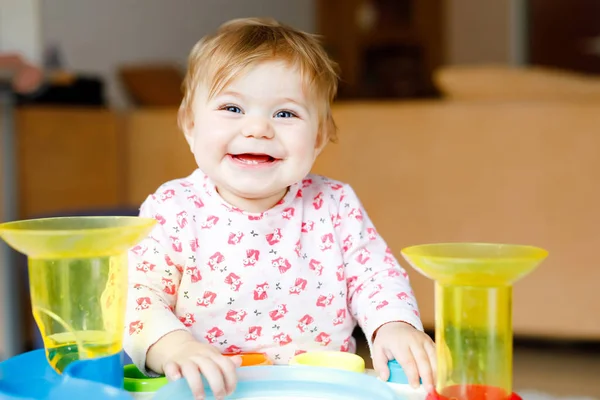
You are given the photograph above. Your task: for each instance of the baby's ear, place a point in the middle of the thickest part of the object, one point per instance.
(327, 133)
(186, 124)
(320, 143)
(323, 137)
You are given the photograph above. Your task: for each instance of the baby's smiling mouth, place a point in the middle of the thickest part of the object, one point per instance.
(253, 158)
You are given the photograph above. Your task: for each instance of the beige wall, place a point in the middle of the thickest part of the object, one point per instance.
(484, 32)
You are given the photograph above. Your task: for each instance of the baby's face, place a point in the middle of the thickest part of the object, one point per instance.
(258, 136)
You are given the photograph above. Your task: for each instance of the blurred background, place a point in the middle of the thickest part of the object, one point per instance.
(460, 120)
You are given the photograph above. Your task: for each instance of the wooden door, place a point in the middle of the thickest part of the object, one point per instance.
(565, 34)
(385, 48)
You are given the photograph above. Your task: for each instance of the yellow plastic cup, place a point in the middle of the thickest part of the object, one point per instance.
(78, 281)
(330, 359)
(473, 313)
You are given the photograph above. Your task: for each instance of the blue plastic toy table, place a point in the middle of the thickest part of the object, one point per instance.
(293, 382)
(29, 376)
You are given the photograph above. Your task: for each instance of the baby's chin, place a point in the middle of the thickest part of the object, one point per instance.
(263, 197)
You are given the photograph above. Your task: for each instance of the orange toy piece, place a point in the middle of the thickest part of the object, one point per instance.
(252, 359)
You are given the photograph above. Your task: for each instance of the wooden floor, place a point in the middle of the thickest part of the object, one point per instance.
(559, 369)
(555, 369)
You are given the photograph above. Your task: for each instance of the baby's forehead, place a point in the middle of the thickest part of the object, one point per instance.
(278, 76)
(275, 75)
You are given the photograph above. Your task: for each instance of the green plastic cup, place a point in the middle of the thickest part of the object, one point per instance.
(139, 385)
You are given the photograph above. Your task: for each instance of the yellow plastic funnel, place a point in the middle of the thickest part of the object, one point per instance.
(473, 313)
(78, 280)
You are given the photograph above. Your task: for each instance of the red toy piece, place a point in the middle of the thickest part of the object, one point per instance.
(472, 392)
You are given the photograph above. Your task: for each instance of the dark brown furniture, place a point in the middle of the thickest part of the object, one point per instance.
(385, 48)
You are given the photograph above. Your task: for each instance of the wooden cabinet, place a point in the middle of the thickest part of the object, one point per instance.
(70, 159)
(565, 34)
(385, 48)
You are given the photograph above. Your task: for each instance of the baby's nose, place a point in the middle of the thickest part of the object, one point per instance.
(259, 128)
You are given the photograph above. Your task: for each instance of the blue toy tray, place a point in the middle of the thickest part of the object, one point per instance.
(28, 376)
(292, 382)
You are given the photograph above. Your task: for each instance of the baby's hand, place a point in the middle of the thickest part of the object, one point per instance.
(413, 349)
(191, 358)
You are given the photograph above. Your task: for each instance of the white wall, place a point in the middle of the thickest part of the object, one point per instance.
(485, 32)
(20, 28)
(98, 35)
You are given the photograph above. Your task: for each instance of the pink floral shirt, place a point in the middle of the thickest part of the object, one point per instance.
(297, 277)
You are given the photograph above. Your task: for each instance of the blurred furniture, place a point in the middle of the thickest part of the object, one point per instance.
(66, 89)
(499, 83)
(68, 158)
(521, 168)
(152, 85)
(385, 48)
(153, 133)
(565, 34)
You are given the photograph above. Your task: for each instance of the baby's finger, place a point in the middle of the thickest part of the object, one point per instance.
(380, 363)
(237, 360)
(228, 366)
(172, 371)
(431, 353)
(190, 372)
(213, 375)
(423, 366)
(406, 359)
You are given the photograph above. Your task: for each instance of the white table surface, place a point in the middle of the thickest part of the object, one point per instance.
(406, 391)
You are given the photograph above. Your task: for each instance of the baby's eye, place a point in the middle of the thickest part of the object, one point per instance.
(285, 114)
(231, 108)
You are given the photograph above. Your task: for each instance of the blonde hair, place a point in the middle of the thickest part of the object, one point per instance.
(238, 44)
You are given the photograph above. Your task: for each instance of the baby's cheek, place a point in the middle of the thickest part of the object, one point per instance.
(212, 134)
(210, 142)
(304, 155)
(209, 151)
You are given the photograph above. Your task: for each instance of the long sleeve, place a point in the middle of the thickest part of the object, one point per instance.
(378, 287)
(155, 269)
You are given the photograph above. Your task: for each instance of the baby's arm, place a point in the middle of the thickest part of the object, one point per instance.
(380, 296)
(157, 341)
(154, 277)
(378, 288)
